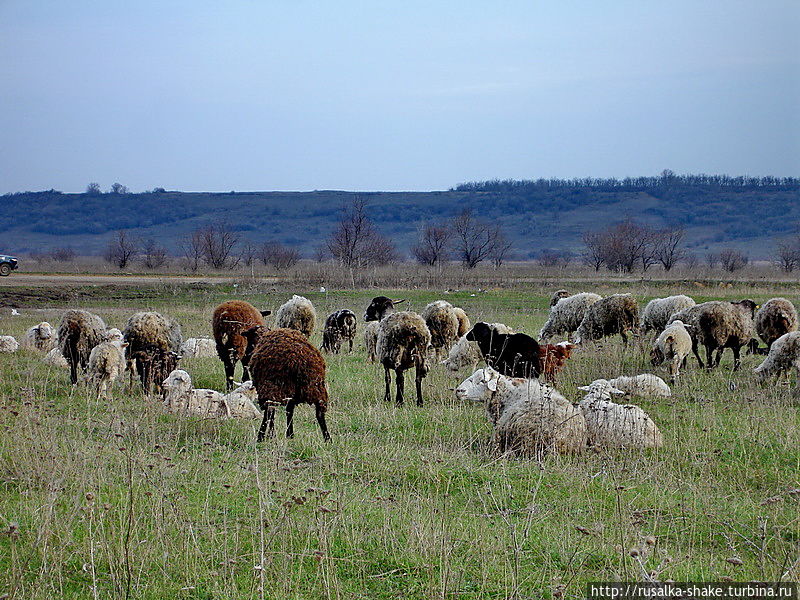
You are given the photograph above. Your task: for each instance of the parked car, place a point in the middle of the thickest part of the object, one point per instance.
(7, 264)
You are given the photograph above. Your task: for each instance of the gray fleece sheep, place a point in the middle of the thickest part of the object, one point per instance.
(658, 311)
(611, 425)
(297, 313)
(403, 342)
(442, 322)
(154, 342)
(106, 363)
(784, 354)
(617, 314)
(371, 338)
(79, 332)
(673, 344)
(566, 315)
(775, 318)
(718, 325)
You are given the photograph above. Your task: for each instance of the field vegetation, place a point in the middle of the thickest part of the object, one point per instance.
(118, 499)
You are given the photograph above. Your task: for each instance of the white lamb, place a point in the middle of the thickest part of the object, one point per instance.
(610, 425)
(8, 343)
(658, 311)
(180, 397)
(106, 363)
(113, 334)
(56, 359)
(198, 348)
(529, 417)
(673, 345)
(467, 354)
(41, 337)
(783, 356)
(566, 315)
(646, 385)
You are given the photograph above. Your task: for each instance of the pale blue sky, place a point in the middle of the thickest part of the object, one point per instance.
(300, 95)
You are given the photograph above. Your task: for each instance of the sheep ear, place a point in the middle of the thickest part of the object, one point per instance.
(124, 345)
(265, 313)
(669, 338)
(398, 301)
(616, 392)
(584, 388)
(492, 384)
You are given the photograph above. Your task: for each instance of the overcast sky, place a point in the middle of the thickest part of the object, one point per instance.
(301, 95)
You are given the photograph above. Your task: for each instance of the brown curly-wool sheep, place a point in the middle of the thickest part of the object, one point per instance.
(154, 342)
(442, 322)
(287, 370)
(463, 322)
(776, 317)
(79, 332)
(230, 319)
(616, 314)
(718, 325)
(403, 341)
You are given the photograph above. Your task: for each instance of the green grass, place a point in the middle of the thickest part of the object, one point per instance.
(117, 499)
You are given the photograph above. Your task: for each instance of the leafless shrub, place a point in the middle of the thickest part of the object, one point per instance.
(621, 247)
(432, 246)
(63, 254)
(669, 248)
(691, 260)
(278, 256)
(355, 243)
(732, 260)
(787, 254)
(153, 255)
(473, 240)
(217, 243)
(712, 258)
(121, 249)
(191, 248)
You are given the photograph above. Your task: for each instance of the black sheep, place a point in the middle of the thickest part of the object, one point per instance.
(515, 355)
(380, 307)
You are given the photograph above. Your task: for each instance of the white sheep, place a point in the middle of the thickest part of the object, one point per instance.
(106, 363)
(566, 315)
(8, 343)
(646, 385)
(180, 397)
(529, 417)
(465, 353)
(198, 348)
(56, 359)
(658, 311)
(784, 355)
(113, 334)
(674, 345)
(41, 337)
(610, 425)
(297, 313)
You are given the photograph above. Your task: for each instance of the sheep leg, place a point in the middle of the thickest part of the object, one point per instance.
(718, 356)
(400, 381)
(674, 368)
(267, 423)
(323, 426)
(418, 384)
(709, 358)
(736, 361)
(696, 352)
(387, 378)
(351, 345)
(624, 339)
(229, 369)
(290, 418)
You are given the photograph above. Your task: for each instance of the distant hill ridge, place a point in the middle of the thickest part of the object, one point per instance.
(748, 213)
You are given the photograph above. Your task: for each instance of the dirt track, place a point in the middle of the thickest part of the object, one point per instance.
(35, 280)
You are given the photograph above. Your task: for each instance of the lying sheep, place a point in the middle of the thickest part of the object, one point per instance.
(198, 348)
(617, 314)
(180, 397)
(673, 344)
(566, 315)
(41, 337)
(106, 363)
(371, 339)
(340, 326)
(529, 418)
(465, 353)
(287, 370)
(647, 385)
(79, 332)
(443, 324)
(403, 342)
(8, 343)
(775, 318)
(718, 325)
(658, 311)
(783, 356)
(56, 359)
(463, 321)
(610, 425)
(297, 313)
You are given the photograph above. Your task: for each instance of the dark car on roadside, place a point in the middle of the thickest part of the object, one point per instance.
(7, 264)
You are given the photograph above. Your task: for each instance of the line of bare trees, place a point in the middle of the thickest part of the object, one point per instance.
(628, 245)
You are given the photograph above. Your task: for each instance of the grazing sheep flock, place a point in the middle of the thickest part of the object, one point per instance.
(529, 417)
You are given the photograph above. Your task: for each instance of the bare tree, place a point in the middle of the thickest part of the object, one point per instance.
(191, 247)
(787, 254)
(93, 189)
(669, 246)
(473, 240)
(63, 254)
(712, 259)
(691, 260)
(501, 250)
(121, 249)
(431, 247)
(118, 188)
(355, 242)
(593, 253)
(321, 253)
(153, 255)
(249, 253)
(384, 251)
(217, 241)
(732, 259)
(278, 256)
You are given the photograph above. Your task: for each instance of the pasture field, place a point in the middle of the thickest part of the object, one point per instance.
(106, 499)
